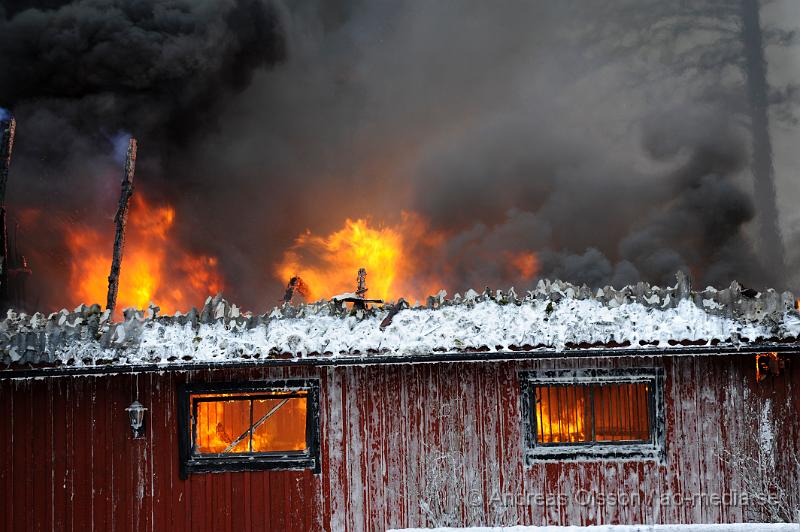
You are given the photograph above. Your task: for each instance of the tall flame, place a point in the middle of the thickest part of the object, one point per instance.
(407, 260)
(328, 264)
(154, 267)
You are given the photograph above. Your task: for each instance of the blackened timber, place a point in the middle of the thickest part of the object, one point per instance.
(296, 284)
(7, 130)
(121, 220)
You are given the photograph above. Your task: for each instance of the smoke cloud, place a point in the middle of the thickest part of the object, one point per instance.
(259, 120)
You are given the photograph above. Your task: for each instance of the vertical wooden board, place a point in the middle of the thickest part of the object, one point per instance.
(672, 512)
(410, 378)
(413, 376)
(277, 498)
(270, 506)
(591, 484)
(728, 422)
(39, 454)
(214, 497)
(143, 494)
(311, 507)
(57, 481)
(429, 405)
(684, 400)
(98, 456)
(792, 376)
(711, 414)
(332, 442)
(70, 399)
(297, 505)
(120, 433)
(24, 434)
(781, 426)
(257, 502)
(486, 396)
(354, 450)
(20, 447)
(459, 381)
(486, 446)
(608, 488)
(6, 453)
(55, 431)
(158, 481)
(176, 498)
(380, 461)
(393, 447)
(228, 504)
(475, 444)
(200, 511)
(656, 472)
(81, 498)
(240, 504)
(30, 457)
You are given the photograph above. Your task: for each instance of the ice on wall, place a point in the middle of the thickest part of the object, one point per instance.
(733, 527)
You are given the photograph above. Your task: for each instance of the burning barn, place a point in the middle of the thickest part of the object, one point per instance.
(486, 156)
(560, 406)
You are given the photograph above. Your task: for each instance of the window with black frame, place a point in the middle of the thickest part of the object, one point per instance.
(249, 426)
(594, 413)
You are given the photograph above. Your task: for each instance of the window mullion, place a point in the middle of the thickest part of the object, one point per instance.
(591, 406)
(251, 425)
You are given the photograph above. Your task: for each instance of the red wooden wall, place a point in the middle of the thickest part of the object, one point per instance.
(402, 445)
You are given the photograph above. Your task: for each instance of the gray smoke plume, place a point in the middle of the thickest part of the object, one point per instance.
(261, 119)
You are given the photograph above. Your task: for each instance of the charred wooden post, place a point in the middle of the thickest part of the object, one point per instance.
(361, 289)
(358, 300)
(121, 220)
(7, 129)
(296, 284)
(18, 273)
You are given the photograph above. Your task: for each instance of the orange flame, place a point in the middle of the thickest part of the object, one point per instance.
(328, 264)
(154, 267)
(526, 264)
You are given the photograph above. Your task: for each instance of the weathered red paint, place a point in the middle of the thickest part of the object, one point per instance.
(68, 461)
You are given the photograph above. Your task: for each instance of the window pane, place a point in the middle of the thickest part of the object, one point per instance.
(278, 423)
(621, 412)
(219, 423)
(561, 414)
(284, 429)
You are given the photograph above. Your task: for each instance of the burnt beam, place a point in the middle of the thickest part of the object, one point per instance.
(121, 221)
(7, 129)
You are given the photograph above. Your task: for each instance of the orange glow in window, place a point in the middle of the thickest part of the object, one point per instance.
(583, 413)
(251, 423)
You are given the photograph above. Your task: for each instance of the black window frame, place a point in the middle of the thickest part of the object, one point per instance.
(651, 449)
(194, 462)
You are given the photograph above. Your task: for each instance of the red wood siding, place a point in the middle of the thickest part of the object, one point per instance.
(402, 445)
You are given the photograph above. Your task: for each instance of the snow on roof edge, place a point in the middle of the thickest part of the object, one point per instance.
(555, 315)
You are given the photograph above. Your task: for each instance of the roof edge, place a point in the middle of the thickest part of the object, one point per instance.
(374, 360)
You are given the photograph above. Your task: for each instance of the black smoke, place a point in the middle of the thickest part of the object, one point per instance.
(261, 119)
